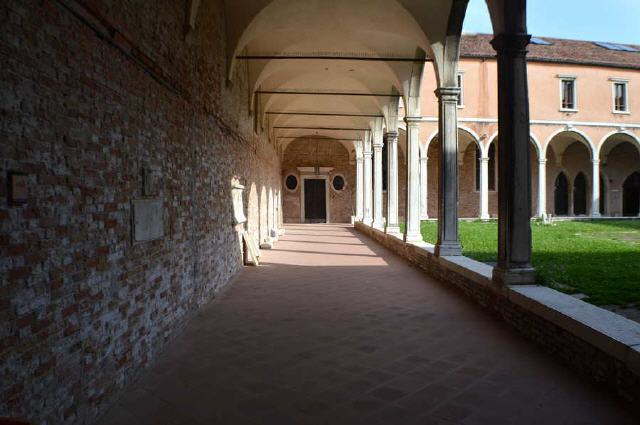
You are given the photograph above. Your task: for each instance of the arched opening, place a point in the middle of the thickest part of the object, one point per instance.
(570, 152)
(631, 195)
(580, 195)
(561, 195)
(491, 165)
(619, 160)
(385, 165)
(603, 194)
(468, 174)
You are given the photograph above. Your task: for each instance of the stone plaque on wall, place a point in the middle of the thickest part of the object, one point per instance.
(238, 203)
(18, 189)
(148, 223)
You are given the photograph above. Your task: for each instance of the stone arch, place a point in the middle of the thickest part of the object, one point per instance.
(535, 142)
(430, 139)
(622, 136)
(565, 133)
(619, 154)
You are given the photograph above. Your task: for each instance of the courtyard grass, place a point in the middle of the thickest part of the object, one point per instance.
(598, 258)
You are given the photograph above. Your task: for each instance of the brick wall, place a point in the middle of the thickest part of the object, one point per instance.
(321, 153)
(83, 308)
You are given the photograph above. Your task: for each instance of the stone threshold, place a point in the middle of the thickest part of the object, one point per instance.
(594, 341)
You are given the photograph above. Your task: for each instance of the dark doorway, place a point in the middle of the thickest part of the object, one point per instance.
(580, 195)
(315, 201)
(603, 193)
(631, 195)
(561, 195)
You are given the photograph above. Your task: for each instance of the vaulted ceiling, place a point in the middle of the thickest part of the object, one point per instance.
(328, 68)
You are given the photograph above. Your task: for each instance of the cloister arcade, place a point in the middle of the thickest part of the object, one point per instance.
(151, 152)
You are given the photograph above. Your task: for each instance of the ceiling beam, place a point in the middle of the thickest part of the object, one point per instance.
(340, 58)
(319, 138)
(325, 114)
(315, 93)
(318, 128)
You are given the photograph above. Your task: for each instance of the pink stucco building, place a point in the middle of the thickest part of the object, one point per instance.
(585, 129)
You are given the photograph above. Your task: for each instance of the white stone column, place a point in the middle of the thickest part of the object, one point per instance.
(542, 187)
(378, 222)
(514, 166)
(274, 216)
(359, 188)
(448, 240)
(595, 188)
(424, 189)
(392, 183)
(412, 209)
(484, 188)
(368, 204)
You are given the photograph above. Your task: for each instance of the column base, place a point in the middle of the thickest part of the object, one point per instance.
(485, 217)
(267, 244)
(596, 215)
(378, 225)
(392, 230)
(367, 221)
(449, 249)
(514, 276)
(413, 237)
(424, 217)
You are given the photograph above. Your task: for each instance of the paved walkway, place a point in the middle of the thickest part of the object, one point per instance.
(334, 329)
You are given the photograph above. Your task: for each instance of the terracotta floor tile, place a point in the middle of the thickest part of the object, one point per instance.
(334, 329)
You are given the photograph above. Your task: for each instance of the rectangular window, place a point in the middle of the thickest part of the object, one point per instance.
(620, 96)
(461, 86)
(568, 90)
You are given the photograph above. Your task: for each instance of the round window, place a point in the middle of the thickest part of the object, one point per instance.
(338, 182)
(291, 182)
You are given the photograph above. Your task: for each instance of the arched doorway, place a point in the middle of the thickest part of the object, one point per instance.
(561, 195)
(603, 194)
(570, 152)
(619, 158)
(631, 195)
(580, 195)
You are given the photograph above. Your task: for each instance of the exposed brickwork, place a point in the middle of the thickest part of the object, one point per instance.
(324, 153)
(83, 308)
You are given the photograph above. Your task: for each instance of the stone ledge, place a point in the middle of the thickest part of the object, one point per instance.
(610, 332)
(590, 339)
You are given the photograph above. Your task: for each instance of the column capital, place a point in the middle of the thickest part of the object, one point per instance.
(542, 161)
(359, 158)
(484, 159)
(512, 44)
(391, 136)
(377, 147)
(412, 121)
(424, 158)
(595, 161)
(448, 94)
(367, 155)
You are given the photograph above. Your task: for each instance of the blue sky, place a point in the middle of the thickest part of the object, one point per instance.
(595, 20)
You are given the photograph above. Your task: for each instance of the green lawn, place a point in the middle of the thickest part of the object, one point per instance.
(598, 258)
